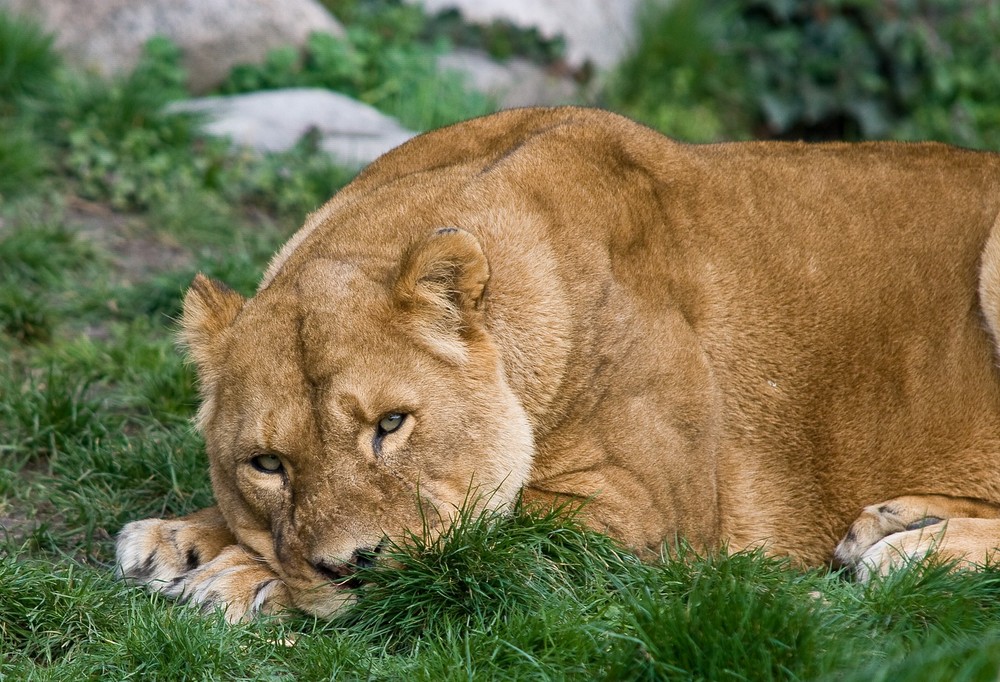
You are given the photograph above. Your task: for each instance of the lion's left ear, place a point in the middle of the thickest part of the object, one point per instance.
(442, 281)
(448, 270)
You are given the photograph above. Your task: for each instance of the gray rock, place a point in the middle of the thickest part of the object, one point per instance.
(274, 120)
(600, 32)
(107, 35)
(512, 83)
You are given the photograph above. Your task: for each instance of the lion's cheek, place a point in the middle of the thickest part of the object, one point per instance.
(489, 464)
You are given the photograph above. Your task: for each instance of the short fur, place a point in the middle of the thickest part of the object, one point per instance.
(740, 344)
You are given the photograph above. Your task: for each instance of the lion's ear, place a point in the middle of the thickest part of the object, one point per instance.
(209, 308)
(447, 271)
(441, 284)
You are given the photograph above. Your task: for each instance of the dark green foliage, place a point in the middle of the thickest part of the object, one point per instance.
(28, 67)
(678, 80)
(23, 158)
(830, 68)
(500, 39)
(821, 69)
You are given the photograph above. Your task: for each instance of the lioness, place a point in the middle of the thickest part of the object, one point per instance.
(741, 344)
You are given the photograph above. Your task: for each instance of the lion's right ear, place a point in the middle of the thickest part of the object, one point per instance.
(209, 308)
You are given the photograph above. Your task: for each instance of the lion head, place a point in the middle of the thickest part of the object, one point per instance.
(351, 400)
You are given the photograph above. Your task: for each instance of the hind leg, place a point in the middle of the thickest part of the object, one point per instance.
(907, 528)
(989, 285)
(910, 527)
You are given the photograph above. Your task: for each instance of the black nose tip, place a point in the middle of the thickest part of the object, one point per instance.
(342, 573)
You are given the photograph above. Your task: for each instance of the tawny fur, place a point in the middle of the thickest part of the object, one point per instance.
(738, 344)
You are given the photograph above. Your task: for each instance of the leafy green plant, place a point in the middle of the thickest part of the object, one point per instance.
(135, 101)
(677, 79)
(819, 69)
(500, 39)
(292, 183)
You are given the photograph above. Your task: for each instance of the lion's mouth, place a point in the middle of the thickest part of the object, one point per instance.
(345, 574)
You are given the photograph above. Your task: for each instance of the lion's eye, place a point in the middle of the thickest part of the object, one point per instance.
(268, 464)
(390, 422)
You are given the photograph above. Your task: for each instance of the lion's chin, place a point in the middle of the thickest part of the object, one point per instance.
(324, 600)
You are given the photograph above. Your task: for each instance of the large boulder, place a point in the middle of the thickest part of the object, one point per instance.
(274, 120)
(597, 32)
(214, 35)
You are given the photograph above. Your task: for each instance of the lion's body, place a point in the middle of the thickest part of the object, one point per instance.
(740, 344)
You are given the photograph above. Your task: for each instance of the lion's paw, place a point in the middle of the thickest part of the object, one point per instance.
(155, 552)
(875, 524)
(899, 550)
(239, 584)
(195, 559)
(958, 543)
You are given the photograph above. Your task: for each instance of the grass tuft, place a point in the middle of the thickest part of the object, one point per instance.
(705, 617)
(27, 61)
(55, 410)
(477, 574)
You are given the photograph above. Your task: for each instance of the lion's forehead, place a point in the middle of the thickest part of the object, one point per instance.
(310, 357)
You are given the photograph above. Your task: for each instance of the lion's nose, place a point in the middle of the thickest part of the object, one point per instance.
(342, 572)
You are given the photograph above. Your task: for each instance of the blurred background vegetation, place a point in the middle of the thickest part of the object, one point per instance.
(818, 69)
(703, 70)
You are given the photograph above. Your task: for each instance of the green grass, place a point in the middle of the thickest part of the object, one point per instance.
(108, 207)
(528, 597)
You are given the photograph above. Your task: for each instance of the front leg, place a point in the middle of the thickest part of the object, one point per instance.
(909, 524)
(196, 559)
